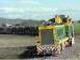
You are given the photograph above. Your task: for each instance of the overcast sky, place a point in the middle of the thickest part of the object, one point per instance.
(39, 9)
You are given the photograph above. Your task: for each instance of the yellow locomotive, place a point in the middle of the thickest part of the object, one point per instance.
(54, 35)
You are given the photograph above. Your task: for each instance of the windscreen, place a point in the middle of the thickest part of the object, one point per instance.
(47, 37)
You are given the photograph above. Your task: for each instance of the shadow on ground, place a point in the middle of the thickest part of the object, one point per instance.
(31, 53)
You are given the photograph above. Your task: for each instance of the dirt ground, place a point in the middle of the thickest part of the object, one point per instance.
(12, 46)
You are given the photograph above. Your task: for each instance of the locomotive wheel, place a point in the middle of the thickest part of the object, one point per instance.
(68, 43)
(71, 42)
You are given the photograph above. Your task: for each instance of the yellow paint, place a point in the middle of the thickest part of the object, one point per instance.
(46, 27)
(58, 19)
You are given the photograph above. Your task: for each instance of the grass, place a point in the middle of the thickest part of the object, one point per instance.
(77, 27)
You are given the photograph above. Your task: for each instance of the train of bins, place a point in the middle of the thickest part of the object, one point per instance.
(33, 31)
